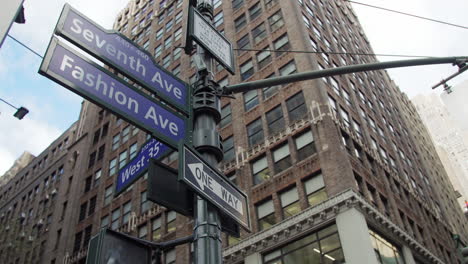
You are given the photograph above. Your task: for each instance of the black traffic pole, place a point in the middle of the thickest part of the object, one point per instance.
(461, 62)
(206, 140)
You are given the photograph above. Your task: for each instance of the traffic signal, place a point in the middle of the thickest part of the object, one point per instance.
(111, 247)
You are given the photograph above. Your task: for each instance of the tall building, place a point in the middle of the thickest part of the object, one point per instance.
(337, 170)
(448, 138)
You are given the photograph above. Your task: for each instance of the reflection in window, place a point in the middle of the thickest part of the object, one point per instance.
(305, 145)
(255, 132)
(290, 202)
(385, 251)
(266, 215)
(320, 247)
(281, 158)
(260, 170)
(315, 190)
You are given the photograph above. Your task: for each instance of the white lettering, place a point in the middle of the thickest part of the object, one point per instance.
(76, 26)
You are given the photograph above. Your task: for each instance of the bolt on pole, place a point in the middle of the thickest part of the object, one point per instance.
(206, 140)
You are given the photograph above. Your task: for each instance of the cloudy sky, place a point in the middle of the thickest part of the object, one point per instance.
(53, 109)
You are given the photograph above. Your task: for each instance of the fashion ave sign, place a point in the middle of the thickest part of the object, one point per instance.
(98, 85)
(116, 50)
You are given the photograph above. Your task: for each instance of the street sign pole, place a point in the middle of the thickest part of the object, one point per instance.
(206, 107)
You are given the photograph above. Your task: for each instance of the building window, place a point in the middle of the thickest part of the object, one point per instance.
(142, 231)
(226, 115)
(322, 246)
(166, 61)
(281, 44)
(259, 33)
(159, 34)
(243, 43)
(263, 57)
(133, 150)
(115, 141)
(246, 70)
(305, 146)
(144, 203)
(105, 221)
(260, 170)
(83, 208)
(168, 43)
(228, 147)
(306, 21)
(156, 228)
(92, 159)
(296, 107)
(240, 22)
(217, 3)
(115, 219)
(178, 17)
(88, 183)
(237, 3)
(276, 21)
(112, 167)
(255, 132)
(108, 195)
(275, 120)
(177, 34)
(171, 221)
(255, 11)
(122, 159)
(158, 51)
(270, 91)
(170, 257)
(385, 251)
(218, 19)
(92, 205)
(315, 190)
(266, 215)
(288, 69)
(127, 210)
(290, 202)
(345, 117)
(250, 100)
(282, 158)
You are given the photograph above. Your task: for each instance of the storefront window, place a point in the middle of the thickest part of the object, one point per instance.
(385, 251)
(319, 247)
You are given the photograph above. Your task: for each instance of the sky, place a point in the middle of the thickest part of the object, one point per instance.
(53, 108)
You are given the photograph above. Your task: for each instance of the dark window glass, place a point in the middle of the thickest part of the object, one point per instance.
(240, 22)
(228, 146)
(255, 132)
(296, 107)
(255, 11)
(275, 120)
(250, 100)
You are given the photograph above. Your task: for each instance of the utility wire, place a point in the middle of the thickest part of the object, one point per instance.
(339, 53)
(9, 104)
(406, 14)
(24, 45)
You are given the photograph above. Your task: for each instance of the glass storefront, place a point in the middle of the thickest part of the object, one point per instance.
(322, 246)
(386, 252)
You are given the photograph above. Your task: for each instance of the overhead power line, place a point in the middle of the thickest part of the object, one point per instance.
(339, 53)
(406, 14)
(25, 46)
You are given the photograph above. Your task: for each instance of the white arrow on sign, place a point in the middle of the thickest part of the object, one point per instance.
(204, 180)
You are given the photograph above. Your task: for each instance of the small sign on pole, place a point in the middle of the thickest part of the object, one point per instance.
(152, 149)
(209, 183)
(200, 30)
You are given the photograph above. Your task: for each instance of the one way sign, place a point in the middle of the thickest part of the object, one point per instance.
(209, 183)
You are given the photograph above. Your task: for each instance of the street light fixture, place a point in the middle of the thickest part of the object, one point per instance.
(20, 112)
